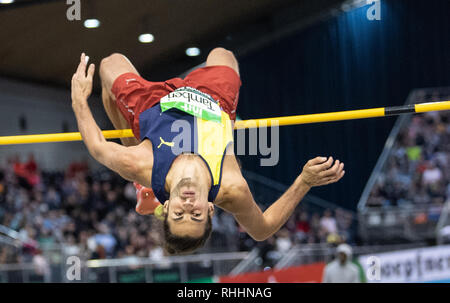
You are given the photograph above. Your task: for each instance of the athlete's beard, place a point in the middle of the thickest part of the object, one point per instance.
(183, 182)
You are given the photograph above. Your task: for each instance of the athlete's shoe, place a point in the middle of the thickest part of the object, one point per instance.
(147, 203)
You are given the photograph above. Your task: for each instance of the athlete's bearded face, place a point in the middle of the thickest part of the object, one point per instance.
(188, 209)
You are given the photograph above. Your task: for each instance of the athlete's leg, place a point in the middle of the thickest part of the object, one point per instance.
(228, 83)
(110, 68)
(221, 56)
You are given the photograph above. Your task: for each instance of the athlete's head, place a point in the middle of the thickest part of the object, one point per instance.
(187, 217)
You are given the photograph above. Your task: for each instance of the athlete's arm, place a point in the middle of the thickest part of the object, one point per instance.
(116, 157)
(261, 225)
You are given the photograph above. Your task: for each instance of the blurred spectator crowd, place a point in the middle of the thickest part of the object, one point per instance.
(93, 214)
(78, 211)
(332, 227)
(417, 172)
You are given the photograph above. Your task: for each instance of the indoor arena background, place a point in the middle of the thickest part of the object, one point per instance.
(59, 208)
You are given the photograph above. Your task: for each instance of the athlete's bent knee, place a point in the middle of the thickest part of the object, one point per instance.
(221, 52)
(111, 60)
(222, 56)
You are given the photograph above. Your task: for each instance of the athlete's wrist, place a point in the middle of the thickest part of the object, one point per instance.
(78, 103)
(301, 182)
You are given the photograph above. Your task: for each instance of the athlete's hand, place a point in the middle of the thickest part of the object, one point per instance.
(82, 83)
(321, 171)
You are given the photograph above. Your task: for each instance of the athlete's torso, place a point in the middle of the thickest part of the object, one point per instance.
(173, 131)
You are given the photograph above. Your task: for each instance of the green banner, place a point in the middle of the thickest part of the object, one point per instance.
(192, 102)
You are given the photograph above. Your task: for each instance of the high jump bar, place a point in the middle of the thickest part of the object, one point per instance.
(276, 121)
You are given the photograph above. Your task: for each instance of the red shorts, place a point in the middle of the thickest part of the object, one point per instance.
(134, 94)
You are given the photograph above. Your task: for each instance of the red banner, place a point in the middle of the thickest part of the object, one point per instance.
(311, 273)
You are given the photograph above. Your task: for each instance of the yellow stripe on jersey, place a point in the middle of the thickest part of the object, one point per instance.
(213, 138)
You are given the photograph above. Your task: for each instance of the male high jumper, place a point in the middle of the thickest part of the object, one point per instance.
(203, 171)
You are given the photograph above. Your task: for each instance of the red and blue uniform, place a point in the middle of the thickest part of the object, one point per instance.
(139, 102)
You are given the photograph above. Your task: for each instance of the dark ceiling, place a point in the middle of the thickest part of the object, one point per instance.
(39, 44)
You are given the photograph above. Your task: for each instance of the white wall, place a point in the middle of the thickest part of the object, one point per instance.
(45, 110)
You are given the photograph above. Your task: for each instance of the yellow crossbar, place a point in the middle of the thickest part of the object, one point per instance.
(287, 120)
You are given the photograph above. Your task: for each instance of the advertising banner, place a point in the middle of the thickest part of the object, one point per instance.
(430, 264)
(311, 273)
